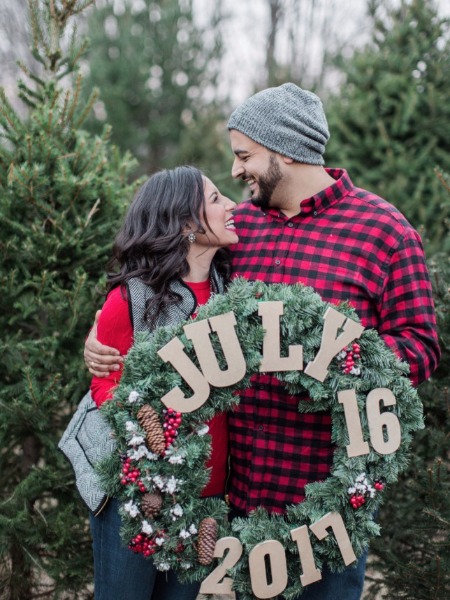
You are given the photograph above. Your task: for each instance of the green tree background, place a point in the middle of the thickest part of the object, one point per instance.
(390, 127)
(61, 191)
(390, 119)
(157, 70)
(66, 177)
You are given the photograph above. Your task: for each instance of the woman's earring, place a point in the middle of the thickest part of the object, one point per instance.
(192, 237)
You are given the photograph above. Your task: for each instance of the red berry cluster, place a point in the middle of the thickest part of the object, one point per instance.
(357, 500)
(172, 420)
(364, 490)
(352, 358)
(131, 475)
(142, 544)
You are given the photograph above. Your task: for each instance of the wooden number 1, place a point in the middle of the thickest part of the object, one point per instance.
(357, 446)
(310, 572)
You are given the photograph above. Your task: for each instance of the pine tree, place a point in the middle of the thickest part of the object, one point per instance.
(390, 121)
(158, 70)
(62, 192)
(413, 555)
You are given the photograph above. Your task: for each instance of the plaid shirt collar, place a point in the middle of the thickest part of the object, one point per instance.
(320, 202)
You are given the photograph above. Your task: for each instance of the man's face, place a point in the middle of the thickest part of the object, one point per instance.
(257, 166)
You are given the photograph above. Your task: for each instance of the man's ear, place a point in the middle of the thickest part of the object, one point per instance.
(287, 160)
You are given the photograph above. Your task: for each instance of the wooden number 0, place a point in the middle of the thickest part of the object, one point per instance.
(274, 552)
(216, 582)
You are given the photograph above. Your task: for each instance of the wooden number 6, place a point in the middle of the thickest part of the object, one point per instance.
(383, 423)
(216, 582)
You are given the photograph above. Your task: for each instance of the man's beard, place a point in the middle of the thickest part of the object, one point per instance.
(267, 184)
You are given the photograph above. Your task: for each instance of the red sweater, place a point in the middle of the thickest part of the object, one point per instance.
(115, 329)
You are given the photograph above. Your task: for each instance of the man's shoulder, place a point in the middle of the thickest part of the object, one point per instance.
(371, 206)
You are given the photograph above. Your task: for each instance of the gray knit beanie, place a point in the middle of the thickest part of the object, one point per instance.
(287, 120)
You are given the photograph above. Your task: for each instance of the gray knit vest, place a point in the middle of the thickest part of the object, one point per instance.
(139, 295)
(88, 438)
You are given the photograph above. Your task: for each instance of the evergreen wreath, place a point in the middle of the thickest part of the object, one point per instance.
(158, 480)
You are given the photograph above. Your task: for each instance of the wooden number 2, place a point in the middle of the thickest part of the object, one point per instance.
(216, 582)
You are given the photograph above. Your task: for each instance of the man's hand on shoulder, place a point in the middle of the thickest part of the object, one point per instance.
(100, 359)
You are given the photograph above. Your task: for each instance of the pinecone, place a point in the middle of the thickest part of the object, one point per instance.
(149, 420)
(151, 505)
(207, 537)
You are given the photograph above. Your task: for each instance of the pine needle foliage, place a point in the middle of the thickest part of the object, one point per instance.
(62, 192)
(390, 119)
(159, 70)
(413, 561)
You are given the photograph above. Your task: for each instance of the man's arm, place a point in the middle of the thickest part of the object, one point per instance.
(100, 359)
(407, 317)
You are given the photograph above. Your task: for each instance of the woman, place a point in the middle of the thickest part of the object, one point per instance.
(168, 258)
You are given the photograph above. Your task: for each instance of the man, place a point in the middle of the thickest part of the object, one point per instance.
(311, 224)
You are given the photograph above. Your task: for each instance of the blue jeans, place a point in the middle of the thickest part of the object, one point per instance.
(347, 585)
(121, 574)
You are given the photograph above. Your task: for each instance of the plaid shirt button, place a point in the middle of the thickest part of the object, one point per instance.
(278, 261)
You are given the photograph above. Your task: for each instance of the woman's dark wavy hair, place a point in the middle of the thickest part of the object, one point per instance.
(152, 243)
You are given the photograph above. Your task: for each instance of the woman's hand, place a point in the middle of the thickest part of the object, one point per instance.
(100, 359)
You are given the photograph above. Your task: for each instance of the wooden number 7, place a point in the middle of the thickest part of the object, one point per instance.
(334, 520)
(216, 582)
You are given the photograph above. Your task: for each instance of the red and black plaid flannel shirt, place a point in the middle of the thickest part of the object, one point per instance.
(348, 244)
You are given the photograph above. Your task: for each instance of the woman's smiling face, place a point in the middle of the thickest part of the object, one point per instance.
(217, 219)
